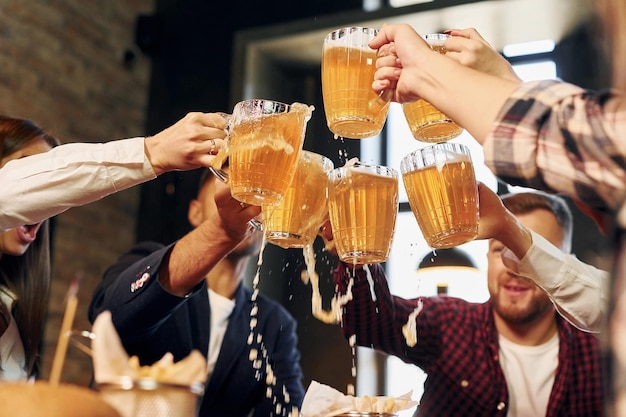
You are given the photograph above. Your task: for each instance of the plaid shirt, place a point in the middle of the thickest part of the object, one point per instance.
(457, 347)
(558, 137)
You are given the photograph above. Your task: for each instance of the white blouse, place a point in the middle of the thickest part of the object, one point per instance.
(12, 354)
(43, 185)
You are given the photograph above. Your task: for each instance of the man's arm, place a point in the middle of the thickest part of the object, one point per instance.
(578, 290)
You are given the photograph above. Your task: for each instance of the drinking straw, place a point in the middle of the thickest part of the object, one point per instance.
(66, 327)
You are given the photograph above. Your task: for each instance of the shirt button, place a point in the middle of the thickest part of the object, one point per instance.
(464, 383)
(501, 405)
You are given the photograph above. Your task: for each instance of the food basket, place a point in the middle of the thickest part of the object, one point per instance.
(150, 398)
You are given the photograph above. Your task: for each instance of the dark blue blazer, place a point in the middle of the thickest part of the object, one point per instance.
(152, 322)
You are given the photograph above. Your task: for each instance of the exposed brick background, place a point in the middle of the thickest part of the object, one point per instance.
(62, 66)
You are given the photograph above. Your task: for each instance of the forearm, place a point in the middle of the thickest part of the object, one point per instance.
(44, 185)
(193, 256)
(579, 290)
(471, 98)
(550, 136)
(514, 235)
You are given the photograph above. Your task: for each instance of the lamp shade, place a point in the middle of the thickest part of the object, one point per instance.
(446, 257)
(452, 272)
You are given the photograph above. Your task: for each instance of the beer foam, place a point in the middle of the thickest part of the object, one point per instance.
(446, 157)
(409, 330)
(352, 162)
(332, 316)
(305, 109)
(370, 280)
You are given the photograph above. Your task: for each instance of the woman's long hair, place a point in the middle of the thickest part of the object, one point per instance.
(27, 276)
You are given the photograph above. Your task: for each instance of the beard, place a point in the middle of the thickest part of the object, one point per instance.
(522, 313)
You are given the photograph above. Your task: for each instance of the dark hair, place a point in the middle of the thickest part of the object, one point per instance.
(526, 202)
(16, 133)
(27, 276)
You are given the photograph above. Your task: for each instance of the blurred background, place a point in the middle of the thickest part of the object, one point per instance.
(97, 71)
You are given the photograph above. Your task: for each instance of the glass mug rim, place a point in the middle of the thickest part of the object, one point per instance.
(348, 30)
(430, 155)
(324, 159)
(257, 107)
(383, 170)
(434, 38)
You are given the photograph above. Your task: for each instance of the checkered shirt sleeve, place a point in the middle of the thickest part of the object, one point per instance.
(559, 137)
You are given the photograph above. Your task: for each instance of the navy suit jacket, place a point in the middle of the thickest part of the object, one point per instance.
(151, 322)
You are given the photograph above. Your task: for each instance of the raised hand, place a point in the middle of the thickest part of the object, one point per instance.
(190, 143)
(467, 47)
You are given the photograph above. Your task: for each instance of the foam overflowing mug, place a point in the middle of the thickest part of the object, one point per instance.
(263, 147)
(426, 122)
(443, 193)
(295, 221)
(353, 109)
(363, 206)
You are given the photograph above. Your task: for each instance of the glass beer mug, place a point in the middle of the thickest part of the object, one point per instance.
(363, 206)
(443, 193)
(426, 122)
(353, 109)
(295, 221)
(264, 144)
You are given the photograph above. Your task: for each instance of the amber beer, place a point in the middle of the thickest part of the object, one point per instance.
(443, 193)
(353, 110)
(363, 205)
(428, 124)
(295, 221)
(264, 145)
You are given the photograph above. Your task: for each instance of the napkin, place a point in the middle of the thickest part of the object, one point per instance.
(323, 401)
(112, 364)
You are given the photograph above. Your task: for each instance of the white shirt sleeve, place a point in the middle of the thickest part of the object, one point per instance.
(578, 290)
(43, 185)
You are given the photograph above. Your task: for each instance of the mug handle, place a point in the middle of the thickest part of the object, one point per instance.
(220, 174)
(381, 100)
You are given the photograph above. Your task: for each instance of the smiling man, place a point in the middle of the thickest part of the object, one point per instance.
(513, 355)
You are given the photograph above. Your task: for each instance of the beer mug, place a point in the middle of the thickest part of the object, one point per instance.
(352, 107)
(295, 221)
(428, 124)
(443, 193)
(263, 147)
(363, 206)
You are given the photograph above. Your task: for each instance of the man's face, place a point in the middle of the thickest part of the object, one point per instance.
(515, 299)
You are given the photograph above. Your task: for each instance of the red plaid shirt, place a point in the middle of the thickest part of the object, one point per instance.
(457, 347)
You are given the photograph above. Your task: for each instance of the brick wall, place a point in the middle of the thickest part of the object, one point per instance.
(62, 65)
